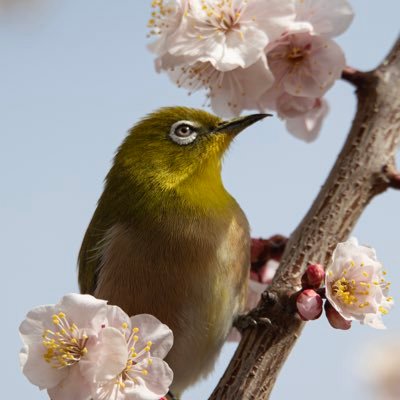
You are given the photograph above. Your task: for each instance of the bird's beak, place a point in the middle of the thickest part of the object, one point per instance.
(236, 125)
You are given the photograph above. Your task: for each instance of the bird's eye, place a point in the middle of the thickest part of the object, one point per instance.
(183, 132)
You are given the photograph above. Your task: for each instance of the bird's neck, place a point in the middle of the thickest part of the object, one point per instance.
(200, 193)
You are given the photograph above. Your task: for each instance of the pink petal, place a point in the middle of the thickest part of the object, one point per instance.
(151, 329)
(107, 358)
(72, 387)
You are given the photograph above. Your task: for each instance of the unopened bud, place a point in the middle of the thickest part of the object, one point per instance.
(309, 305)
(257, 247)
(335, 319)
(313, 277)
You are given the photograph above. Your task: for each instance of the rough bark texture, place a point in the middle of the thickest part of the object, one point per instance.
(364, 168)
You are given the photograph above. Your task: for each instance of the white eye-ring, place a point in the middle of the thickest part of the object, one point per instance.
(183, 132)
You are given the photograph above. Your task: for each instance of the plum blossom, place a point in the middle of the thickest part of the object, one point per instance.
(230, 33)
(306, 65)
(254, 54)
(355, 284)
(165, 22)
(57, 339)
(228, 92)
(84, 349)
(127, 362)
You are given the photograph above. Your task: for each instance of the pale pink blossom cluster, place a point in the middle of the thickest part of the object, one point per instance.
(355, 288)
(82, 348)
(254, 54)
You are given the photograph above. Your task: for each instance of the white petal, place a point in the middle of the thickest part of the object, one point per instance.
(108, 358)
(307, 126)
(374, 320)
(328, 17)
(72, 387)
(116, 317)
(151, 329)
(37, 370)
(154, 385)
(241, 89)
(84, 310)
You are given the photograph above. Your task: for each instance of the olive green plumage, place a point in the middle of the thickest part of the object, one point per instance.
(168, 239)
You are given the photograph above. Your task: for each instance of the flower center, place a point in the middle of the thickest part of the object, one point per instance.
(65, 344)
(138, 360)
(223, 16)
(295, 55)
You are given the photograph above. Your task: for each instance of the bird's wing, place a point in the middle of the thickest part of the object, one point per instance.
(90, 254)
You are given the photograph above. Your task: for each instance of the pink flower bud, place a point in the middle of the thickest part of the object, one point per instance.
(313, 277)
(335, 319)
(257, 247)
(309, 305)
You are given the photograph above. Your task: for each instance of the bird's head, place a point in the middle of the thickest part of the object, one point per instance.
(178, 147)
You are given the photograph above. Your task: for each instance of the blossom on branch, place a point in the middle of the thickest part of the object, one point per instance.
(127, 362)
(82, 348)
(56, 340)
(253, 54)
(356, 286)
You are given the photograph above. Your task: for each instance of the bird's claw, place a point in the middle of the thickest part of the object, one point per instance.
(250, 320)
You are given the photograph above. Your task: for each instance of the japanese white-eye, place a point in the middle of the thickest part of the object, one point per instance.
(167, 239)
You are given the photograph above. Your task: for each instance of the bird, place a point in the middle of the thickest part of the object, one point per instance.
(167, 238)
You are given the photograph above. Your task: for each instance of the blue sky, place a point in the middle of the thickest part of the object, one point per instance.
(75, 75)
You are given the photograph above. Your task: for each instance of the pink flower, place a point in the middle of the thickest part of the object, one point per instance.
(228, 92)
(84, 349)
(356, 285)
(57, 339)
(127, 362)
(305, 65)
(230, 34)
(309, 305)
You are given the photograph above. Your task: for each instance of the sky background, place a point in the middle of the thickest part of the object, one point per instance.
(75, 76)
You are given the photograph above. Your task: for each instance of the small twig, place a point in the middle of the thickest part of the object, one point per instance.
(393, 177)
(354, 76)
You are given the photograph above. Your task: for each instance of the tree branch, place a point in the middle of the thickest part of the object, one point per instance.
(364, 169)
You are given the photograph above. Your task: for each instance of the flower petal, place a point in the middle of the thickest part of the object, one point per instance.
(328, 17)
(152, 386)
(151, 329)
(72, 387)
(108, 358)
(84, 310)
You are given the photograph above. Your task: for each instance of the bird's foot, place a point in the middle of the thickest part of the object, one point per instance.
(257, 316)
(250, 320)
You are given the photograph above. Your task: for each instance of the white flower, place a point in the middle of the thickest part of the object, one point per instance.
(165, 22)
(324, 17)
(305, 65)
(230, 33)
(355, 284)
(127, 361)
(56, 340)
(228, 92)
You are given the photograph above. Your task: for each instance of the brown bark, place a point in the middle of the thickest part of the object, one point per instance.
(364, 169)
